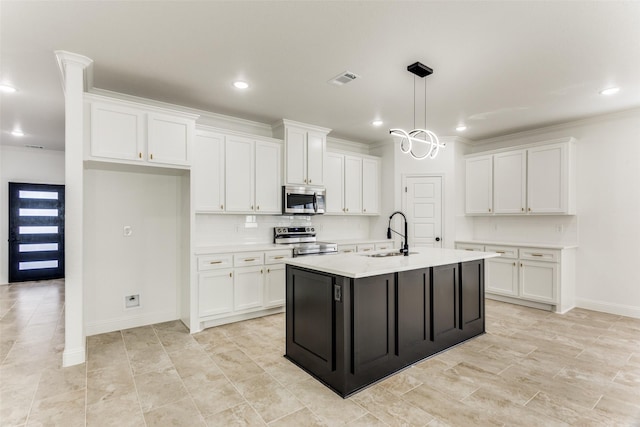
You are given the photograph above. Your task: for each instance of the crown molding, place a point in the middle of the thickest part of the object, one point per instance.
(287, 122)
(65, 58)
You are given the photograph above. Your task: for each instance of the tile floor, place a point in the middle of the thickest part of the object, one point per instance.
(532, 368)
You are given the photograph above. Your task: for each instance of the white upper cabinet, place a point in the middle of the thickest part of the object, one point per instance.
(479, 185)
(510, 182)
(370, 186)
(334, 183)
(240, 174)
(538, 179)
(268, 182)
(548, 180)
(127, 132)
(305, 149)
(208, 172)
(352, 185)
(169, 139)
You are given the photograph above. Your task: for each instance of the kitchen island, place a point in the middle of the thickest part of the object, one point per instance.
(353, 319)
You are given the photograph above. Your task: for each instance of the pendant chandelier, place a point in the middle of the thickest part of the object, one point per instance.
(417, 137)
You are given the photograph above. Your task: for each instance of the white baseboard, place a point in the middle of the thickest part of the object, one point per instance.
(73, 356)
(619, 309)
(128, 322)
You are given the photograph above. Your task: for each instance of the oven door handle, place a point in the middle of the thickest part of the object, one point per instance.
(315, 202)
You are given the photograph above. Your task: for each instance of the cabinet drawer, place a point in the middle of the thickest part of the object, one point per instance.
(215, 262)
(346, 249)
(549, 255)
(384, 246)
(276, 257)
(245, 259)
(469, 247)
(504, 251)
(365, 247)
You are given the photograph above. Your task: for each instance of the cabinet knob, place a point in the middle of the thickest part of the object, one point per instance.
(258, 207)
(251, 207)
(514, 264)
(139, 155)
(489, 209)
(260, 271)
(230, 274)
(268, 270)
(364, 210)
(309, 181)
(529, 209)
(305, 180)
(151, 156)
(521, 265)
(221, 206)
(522, 209)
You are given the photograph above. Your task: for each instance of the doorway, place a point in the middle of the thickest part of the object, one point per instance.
(36, 232)
(422, 203)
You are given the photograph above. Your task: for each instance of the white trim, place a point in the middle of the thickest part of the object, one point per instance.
(287, 122)
(207, 128)
(91, 97)
(204, 323)
(612, 308)
(519, 301)
(64, 57)
(355, 146)
(128, 322)
(560, 126)
(565, 140)
(74, 356)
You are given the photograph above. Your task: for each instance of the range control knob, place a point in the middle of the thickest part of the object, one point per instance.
(313, 230)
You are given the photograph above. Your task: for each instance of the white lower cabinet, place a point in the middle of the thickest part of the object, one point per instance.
(239, 286)
(539, 277)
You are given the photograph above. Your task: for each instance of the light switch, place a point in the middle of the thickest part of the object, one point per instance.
(128, 231)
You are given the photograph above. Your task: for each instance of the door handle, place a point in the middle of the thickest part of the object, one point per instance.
(437, 239)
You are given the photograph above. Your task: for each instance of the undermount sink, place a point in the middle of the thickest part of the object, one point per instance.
(386, 254)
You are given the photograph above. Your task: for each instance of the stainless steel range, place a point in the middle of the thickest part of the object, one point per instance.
(303, 240)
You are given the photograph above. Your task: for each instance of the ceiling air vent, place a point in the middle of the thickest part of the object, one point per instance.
(343, 78)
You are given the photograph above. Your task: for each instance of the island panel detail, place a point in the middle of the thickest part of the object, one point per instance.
(349, 333)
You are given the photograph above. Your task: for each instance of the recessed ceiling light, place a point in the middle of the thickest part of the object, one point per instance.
(17, 132)
(241, 85)
(461, 128)
(377, 122)
(7, 88)
(609, 91)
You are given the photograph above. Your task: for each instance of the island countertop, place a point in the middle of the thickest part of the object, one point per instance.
(358, 265)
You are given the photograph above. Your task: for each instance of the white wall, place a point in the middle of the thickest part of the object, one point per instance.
(607, 225)
(148, 263)
(18, 164)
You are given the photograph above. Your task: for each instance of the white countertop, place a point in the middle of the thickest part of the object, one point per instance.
(242, 247)
(518, 244)
(358, 241)
(359, 265)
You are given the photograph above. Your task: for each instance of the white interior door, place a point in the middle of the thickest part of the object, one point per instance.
(423, 207)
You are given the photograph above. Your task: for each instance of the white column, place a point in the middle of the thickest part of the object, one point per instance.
(72, 67)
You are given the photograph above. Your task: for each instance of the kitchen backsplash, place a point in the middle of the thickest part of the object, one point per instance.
(238, 229)
(561, 230)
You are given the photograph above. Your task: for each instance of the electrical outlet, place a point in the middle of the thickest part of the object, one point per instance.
(131, 301)
(127, 231)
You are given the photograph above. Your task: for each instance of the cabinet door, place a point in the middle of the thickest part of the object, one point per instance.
(296, 156)
(334, 183)
(117, 132)
(509, 182)
(316, 152)
(547, 179)
(169, 139)
(479, 185)
(370, 186)
(539, 281)
(247, 288)
(268, 186)
(207, 172)
(502, 276)
(215, 290)
(445, 305)
(239, 176)
(472, 297)
(274, 285)
(353, 184)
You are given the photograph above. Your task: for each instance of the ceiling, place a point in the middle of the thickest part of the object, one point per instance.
(499, 67)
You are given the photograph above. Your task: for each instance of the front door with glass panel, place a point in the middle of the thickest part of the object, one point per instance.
(36, 232)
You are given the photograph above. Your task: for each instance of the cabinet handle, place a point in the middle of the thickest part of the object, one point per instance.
(346, 251)
(500, 252)
(467, 249)
(366, 249)
(139, 155)
(215, 262)
(537, 254)
(489, 209)
(151, 156)
(221, 206)
(230, 274)
(268, 270)
(529, 209)
(278, 257)
(258, 207)
(249, 259)
(521, 265)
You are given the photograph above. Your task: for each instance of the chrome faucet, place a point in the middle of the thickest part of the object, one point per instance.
(405, 248)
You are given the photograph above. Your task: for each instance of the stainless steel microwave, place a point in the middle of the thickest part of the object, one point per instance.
(303, 200)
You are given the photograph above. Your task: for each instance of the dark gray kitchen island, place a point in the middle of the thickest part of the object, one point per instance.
(354, 319)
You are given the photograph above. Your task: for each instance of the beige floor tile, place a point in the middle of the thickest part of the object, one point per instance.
(302, 417)
(67, 409)
(273, 402)
(15, 404)
(190, 361)
(213, 395)
(236, 365)
(174, 340)
(120, 410)
(391, 409)
(618, 410)
(367, 420)
(182, 413)
(109, 383)
(140, 338)
(62, 380)
(156, 389)
(151, 358)
(241, 415)
(400, 383)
